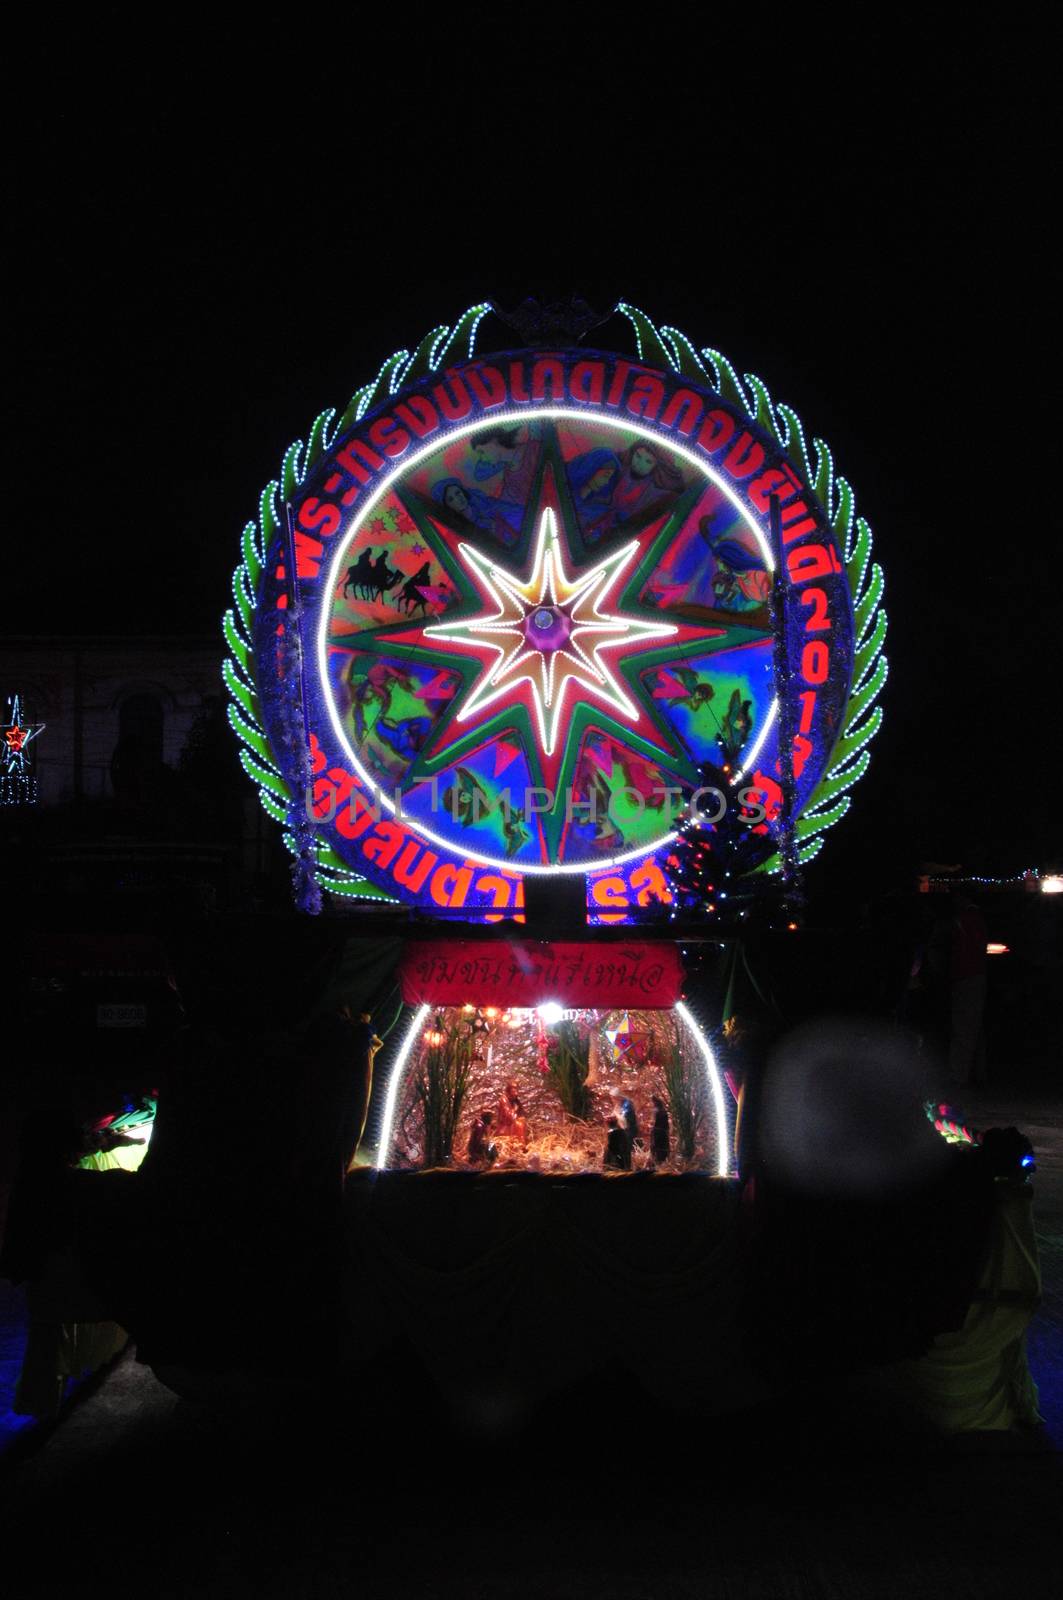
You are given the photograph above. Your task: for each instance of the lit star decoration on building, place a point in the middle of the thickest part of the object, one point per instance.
(550, 631)
(15, 740)
(17, 783)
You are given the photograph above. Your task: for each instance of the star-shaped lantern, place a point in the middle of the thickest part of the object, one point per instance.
(550, 631)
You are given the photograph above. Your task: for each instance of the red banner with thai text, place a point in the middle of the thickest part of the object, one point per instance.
(512, 972)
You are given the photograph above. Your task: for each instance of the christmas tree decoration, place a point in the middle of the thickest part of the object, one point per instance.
(713, 865)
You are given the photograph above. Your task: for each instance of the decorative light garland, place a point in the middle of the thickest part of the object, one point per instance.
(973, 880)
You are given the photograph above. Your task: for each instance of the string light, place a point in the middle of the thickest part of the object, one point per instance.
(1030, 878)
(394, 1081)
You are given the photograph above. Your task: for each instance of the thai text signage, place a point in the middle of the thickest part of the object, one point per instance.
(512, 973)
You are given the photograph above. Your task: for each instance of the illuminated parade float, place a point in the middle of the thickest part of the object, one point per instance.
(558, 628)
(554, 664)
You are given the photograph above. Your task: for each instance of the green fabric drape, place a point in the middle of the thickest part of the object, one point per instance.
(531, 1286)
(978, 1378)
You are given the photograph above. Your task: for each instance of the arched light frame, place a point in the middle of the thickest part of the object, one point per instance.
(724, 1132)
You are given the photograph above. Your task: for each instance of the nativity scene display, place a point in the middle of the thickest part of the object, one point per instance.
(553, 1091)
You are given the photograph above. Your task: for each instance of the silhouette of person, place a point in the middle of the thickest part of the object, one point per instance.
(511, 1118)
(381, 576)
(617, 1147)
(660, 1138)
(480, 1151)
(360, 573)
(625, 1114)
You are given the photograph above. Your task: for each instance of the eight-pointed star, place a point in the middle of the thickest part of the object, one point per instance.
(551, 630)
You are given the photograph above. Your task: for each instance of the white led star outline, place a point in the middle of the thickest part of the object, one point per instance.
(577, 599)
(13, 749)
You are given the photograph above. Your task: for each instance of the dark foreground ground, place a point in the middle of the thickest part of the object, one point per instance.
(139, 1493)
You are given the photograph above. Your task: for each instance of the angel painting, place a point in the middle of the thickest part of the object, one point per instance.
(466, 800)
(736, 726)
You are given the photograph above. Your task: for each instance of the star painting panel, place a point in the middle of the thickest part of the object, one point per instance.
(538, 606)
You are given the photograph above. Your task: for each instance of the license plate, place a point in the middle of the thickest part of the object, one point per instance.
(121, 1016)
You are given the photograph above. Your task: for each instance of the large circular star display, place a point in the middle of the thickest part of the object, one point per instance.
(539, 635)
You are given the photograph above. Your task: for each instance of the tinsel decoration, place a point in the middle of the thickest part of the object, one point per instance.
(712, 869)
(786, 838)
(295, 739)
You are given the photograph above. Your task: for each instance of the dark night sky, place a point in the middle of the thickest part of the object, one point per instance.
(208, 246)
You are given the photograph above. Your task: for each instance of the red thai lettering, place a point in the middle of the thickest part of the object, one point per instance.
(792, 528)
(419, 415)
(308, 553)
(745, 457)
(650, 883)
(811, 561)
(646, 397)
(355, 818)
(355, 457)
(768, 486)
(586, 382)
(548, 372)
(609, 893)
(452, 397)
(488, 385)
(387, 434)
(517, 392)
(413, 877)
(450, 885)
(616, 388)
(691, 406)
(318, 516)
(808, 525)
(331, 792)
(384, 845)
(716, 431)
(499, 889)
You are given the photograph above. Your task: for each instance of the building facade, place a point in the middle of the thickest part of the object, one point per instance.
(104, 704)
